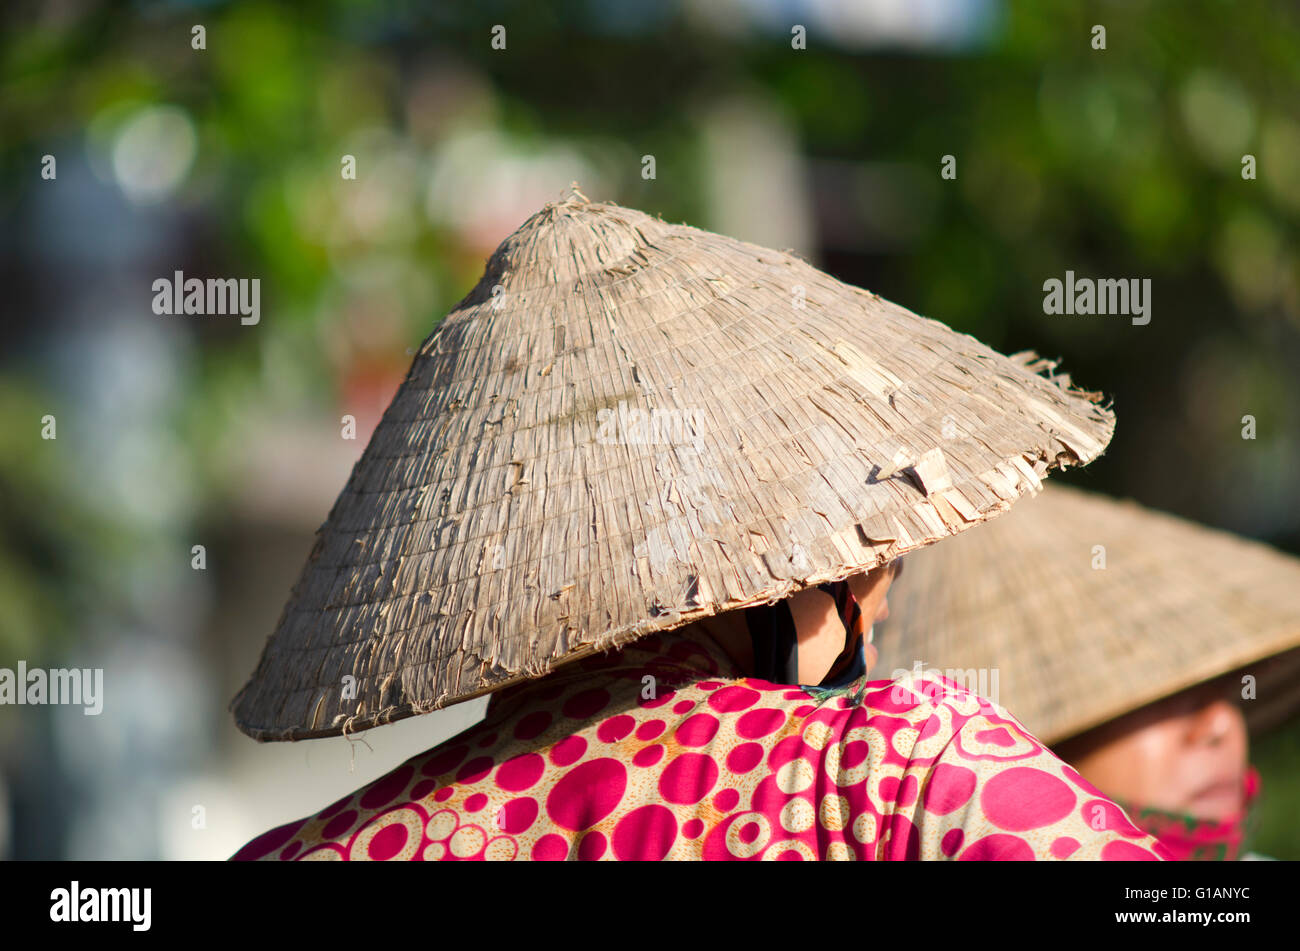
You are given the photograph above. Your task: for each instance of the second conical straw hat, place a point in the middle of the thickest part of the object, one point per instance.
(628, 425)
(1076, 608)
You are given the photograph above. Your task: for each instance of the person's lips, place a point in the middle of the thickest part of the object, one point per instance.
(1221, 796)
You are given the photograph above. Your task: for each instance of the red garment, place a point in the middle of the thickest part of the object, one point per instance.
(664, 750)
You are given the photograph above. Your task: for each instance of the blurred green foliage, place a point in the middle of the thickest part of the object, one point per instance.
(1276, 755)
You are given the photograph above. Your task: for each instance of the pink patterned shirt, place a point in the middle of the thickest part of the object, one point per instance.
(664, 750)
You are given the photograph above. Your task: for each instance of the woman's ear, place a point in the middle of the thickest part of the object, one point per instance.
(871, 588)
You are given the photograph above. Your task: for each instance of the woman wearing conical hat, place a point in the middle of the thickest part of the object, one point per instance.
(647, 486)
(1138, 645)
(1180, 766)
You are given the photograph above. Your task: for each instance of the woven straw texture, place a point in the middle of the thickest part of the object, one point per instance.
(1074, 646)
(628, 425)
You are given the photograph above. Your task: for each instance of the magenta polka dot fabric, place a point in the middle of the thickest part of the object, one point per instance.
(663, 751)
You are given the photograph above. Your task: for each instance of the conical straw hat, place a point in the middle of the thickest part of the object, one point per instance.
(1075, 645)
(628, 425)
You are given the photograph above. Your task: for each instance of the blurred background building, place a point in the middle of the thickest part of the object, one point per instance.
(226, 160)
